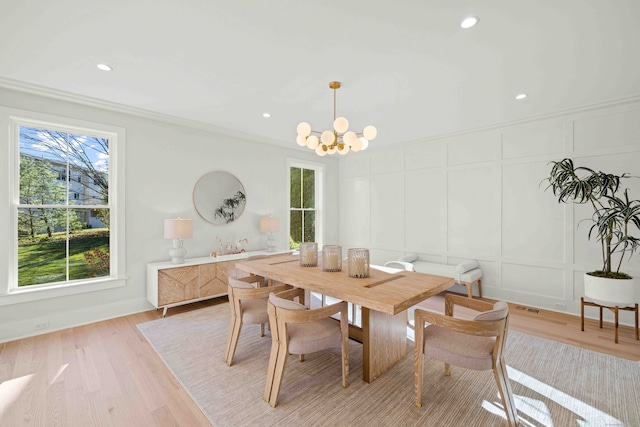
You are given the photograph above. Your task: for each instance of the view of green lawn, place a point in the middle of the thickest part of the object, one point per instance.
(44, 260)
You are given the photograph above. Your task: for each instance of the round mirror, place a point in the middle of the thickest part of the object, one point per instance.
(219, 197)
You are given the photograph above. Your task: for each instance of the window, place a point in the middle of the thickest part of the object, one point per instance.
(67, 235)
(305, 203)
(55, 243)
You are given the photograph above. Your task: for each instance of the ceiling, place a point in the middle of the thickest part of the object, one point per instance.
(405, 66)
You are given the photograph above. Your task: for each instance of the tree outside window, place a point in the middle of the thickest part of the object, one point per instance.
(63, 211)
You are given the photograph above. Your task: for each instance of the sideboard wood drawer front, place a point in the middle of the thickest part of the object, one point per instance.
(177, 284)
(213, 281)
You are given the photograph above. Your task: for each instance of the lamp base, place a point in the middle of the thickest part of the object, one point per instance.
(177, 253)
(271, 243)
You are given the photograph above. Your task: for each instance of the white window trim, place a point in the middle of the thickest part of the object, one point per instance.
(319, 195)
(10, 120)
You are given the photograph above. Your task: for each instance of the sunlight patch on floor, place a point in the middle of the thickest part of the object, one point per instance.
(495, 409)
(590, 416)
(10, 390)
(57, 375)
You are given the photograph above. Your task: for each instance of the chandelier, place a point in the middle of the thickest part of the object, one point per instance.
(340, 139)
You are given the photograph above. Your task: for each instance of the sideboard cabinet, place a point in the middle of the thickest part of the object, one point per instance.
(197, 279)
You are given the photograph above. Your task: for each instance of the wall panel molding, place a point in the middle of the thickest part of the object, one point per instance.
(481, 195)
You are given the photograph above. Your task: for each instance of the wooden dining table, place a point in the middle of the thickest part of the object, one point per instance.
(384, 297)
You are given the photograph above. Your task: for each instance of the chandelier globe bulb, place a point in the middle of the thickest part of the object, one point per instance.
(349, 138)
(356, 145)
(327, 137)
(341, 124)
(304, 129)
(312, 142)
(370, 132)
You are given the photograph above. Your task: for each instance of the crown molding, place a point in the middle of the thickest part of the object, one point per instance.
(547, 116)
(34, 89)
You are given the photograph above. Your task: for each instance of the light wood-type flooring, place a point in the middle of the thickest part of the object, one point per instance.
(106, 374)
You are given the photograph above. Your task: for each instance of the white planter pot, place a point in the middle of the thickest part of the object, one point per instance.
(607, 291)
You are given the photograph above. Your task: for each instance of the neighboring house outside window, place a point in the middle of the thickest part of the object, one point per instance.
(67, 223)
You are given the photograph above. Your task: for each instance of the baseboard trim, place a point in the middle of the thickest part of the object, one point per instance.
(69, 319)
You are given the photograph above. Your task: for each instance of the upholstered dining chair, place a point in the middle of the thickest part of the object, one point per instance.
(248, 304)
(472, 344)
(296, 330)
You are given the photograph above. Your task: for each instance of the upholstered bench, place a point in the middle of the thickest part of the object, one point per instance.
(466, 273)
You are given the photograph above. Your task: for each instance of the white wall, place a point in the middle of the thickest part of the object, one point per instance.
(480, 195)
(163, 163)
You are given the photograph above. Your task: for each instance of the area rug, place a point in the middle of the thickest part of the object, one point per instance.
(553, 384)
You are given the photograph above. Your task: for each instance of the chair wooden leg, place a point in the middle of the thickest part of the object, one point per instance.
(261, 329)
(232, 339)
(281, 363)
(504, 387)
(469, 289)
(273, 358)
(344, 329)
(447, 369)
(301, 357)
(479, 288)
(418, 365)
(227, 349)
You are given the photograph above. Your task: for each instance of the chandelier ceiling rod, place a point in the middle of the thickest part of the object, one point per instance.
(335, 86)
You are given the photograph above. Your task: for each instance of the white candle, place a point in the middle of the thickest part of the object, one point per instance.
(359, 267)
(358, 263)
(333, 261)
(308, 255)
(332, 258)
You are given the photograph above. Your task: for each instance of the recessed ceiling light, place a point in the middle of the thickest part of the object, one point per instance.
(521, 96)
(266, 115)
(469, 22)
(104, 67)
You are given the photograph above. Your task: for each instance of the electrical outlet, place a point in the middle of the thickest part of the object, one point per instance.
(560, 306)
(42, 325)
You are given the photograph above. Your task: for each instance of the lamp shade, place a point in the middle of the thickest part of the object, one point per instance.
(178, 228)
(269, 225)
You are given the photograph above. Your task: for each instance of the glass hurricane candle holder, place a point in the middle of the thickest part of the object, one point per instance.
(332, 258)
(358, 260)
(308, 254)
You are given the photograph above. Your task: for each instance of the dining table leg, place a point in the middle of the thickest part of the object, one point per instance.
(384, 342)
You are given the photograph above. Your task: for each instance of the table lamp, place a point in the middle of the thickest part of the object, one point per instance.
(270, 225)
(178, 229)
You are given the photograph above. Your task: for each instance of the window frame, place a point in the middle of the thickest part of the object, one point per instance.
(318, 168)
(11, 120)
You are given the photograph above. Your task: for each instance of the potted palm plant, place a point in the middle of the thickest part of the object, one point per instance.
(615, 218)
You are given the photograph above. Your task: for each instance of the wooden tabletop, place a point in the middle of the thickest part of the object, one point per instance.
(390, 291)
